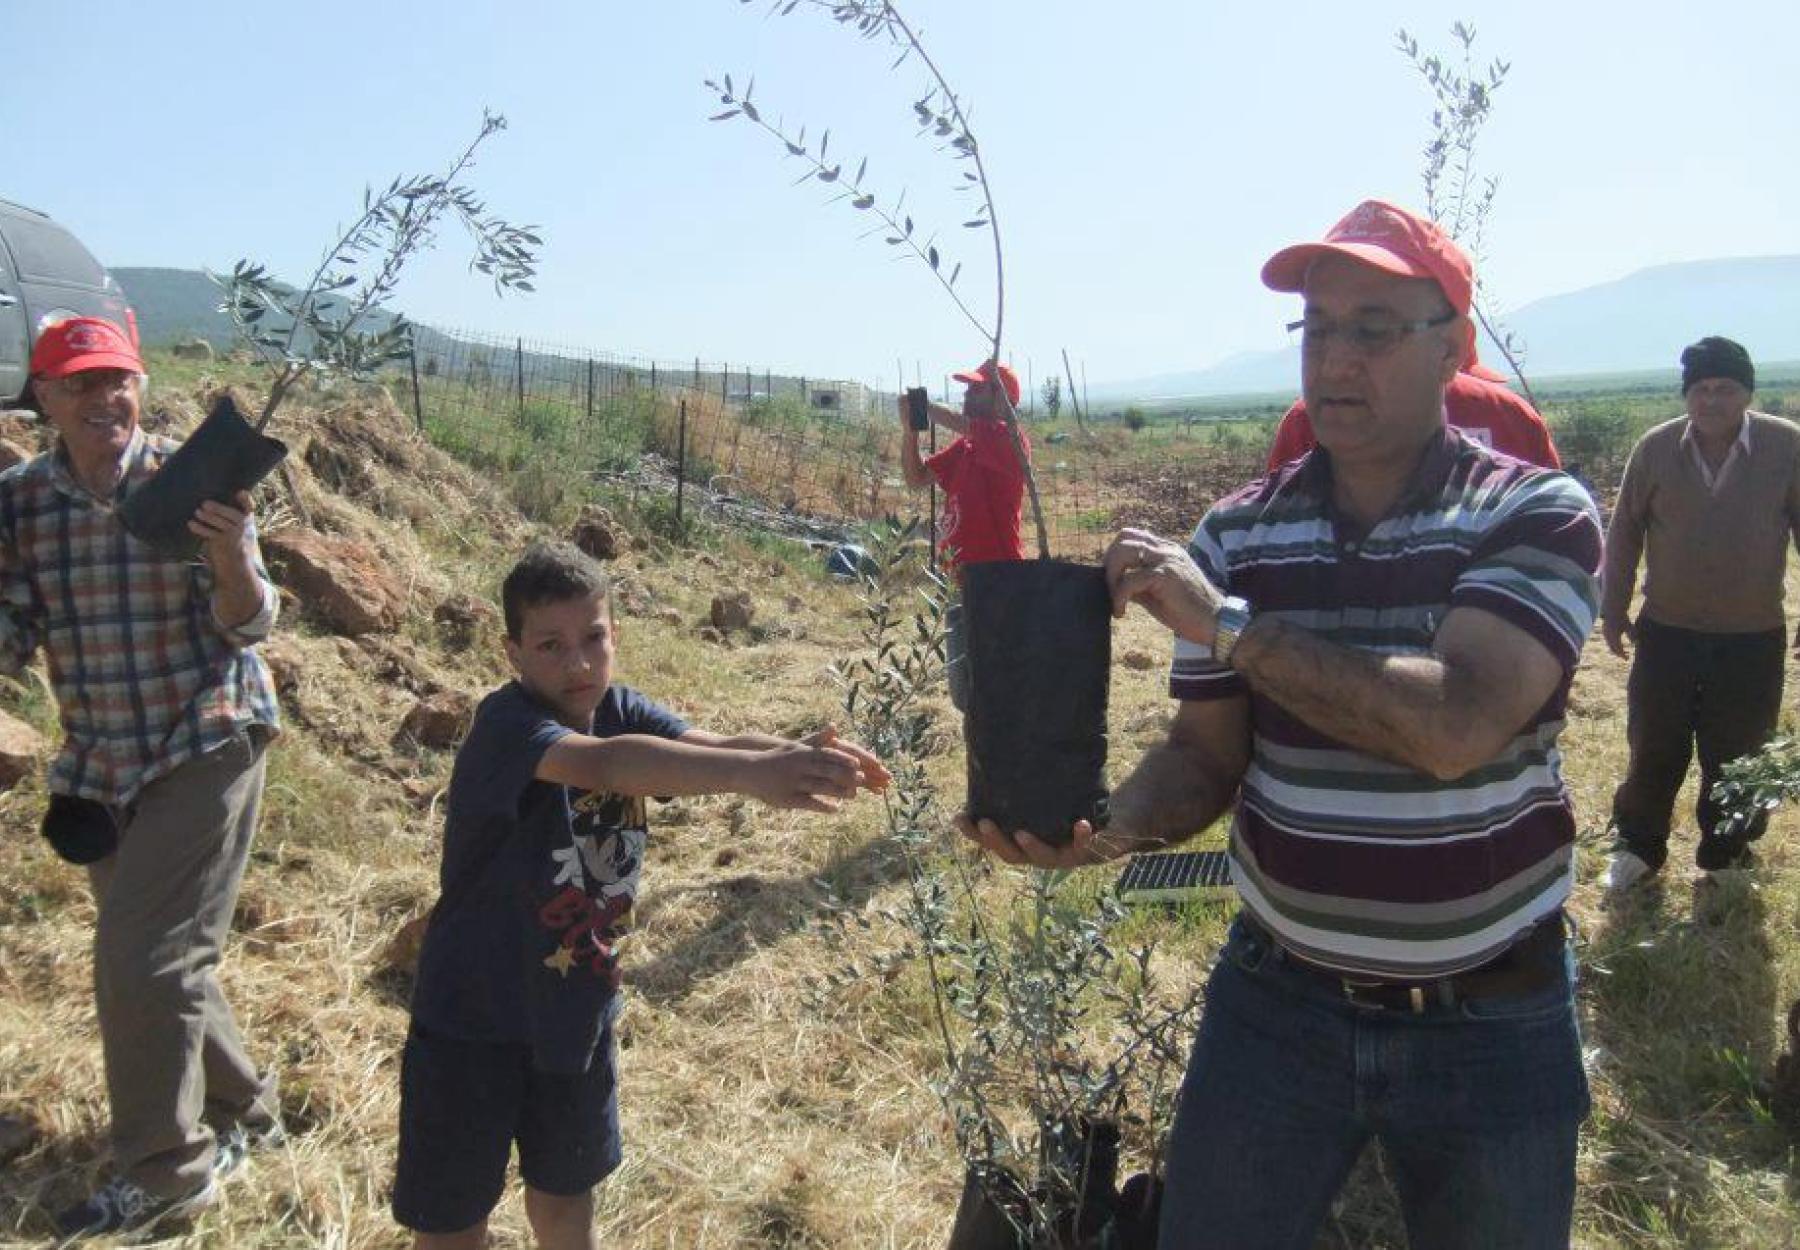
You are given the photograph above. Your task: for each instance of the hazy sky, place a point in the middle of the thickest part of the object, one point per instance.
(1146, 157)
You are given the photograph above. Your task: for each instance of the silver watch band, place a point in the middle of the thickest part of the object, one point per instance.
(1228, 626)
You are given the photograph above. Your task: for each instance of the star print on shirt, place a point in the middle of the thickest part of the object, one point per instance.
(562, 959)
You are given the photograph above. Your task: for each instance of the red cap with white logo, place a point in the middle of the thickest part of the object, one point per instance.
(83, 343)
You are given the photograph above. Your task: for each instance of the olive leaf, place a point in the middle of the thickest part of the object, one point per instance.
(317, 328)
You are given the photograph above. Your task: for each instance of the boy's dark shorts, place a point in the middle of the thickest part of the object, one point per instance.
(463, 1105)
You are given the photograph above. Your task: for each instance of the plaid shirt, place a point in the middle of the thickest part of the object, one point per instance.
(145, 676)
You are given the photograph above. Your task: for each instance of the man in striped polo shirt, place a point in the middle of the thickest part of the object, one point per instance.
(1373, 656)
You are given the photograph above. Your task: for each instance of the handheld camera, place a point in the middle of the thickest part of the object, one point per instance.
(918, 408)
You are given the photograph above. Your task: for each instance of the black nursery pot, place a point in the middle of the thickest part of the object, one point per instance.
(992, 1213)
(1086, 1155)
(1083, 1211)
(225, 455)
(1040, 653)
(1138, 1213)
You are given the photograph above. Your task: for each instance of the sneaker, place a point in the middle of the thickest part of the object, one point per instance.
(1624, 869)
(126, 1207)
(232, 1147)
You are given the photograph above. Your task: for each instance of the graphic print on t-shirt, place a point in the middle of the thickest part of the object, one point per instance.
(596, 882)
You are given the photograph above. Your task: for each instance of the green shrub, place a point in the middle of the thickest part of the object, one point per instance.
(1596, 435)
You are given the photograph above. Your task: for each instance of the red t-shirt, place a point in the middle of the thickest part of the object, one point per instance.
(1486, 411)
(983, 487)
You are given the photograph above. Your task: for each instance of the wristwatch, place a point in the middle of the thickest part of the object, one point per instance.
(1228, 626)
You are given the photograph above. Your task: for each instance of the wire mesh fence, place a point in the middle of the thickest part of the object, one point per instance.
(814, 458)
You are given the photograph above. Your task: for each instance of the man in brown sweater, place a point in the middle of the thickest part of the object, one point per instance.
(1711, 500)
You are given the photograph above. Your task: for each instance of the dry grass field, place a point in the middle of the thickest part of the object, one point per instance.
(760, 1110)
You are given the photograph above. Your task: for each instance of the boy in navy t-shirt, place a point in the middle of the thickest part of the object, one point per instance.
(512, 1012)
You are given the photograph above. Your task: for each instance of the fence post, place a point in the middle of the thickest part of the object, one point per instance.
(590, 391)
(725, 385)
(768, 385)
(412, 358)
(680, 463)
(653, 377)
(696, 386)
(519, 372)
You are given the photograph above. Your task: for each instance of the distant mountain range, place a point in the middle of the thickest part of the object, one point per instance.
(174, 305)
(1639, 322)
(177, 305)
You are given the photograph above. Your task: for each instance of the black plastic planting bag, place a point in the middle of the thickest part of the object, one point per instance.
(1081, 1209)
(80, 830)
(224, 455)
(1040, 652)
(992, 1214)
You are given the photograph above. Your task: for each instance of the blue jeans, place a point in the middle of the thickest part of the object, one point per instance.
(1477, 1107)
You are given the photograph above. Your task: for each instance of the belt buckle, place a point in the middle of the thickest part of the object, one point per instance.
(1415, 995)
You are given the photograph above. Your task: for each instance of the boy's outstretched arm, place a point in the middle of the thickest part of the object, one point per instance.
(794, 774)
(875, 775)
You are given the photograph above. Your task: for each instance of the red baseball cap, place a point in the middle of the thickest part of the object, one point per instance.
(82, 343)
(1393, 241)
(985, 373)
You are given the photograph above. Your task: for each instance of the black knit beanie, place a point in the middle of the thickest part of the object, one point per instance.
(1715, 357)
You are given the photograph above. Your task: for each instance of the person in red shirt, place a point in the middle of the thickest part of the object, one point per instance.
(1475, 402)
(983, 482)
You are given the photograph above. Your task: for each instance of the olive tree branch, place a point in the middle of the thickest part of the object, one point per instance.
(875, 19)
(1462, 103)
(399, 223)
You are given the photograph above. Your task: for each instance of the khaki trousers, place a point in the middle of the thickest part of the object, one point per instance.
(175, 1062)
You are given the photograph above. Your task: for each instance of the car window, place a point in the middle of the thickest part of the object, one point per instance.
(47, 252)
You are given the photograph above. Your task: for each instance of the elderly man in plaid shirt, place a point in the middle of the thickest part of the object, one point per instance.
(167, 710)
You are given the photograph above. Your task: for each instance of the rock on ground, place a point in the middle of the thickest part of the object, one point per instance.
(733, 610)
(342, 581)
(439, 721)
(21, 749)
(597, 533)
(462, 619)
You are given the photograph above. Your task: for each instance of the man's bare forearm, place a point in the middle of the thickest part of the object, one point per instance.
(237, 599)
(949, 418)
(1165, 800)
(912, 466)
(1398, 708)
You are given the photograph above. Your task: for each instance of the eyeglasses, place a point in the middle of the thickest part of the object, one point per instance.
(93, 381)
(1370, 335)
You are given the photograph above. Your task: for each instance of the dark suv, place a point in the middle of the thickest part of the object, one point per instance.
(45, 276)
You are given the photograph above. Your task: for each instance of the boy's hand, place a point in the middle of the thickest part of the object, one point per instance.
(814, 778)
(873, 775)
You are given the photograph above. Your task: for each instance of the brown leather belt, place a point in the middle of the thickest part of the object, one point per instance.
(1534, 962)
